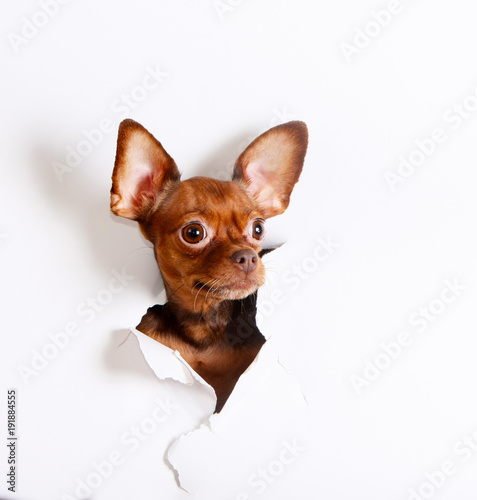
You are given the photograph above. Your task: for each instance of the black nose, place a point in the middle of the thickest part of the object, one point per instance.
(246, 260)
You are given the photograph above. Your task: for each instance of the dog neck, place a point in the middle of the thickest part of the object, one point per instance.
(201, 323)
(227, 324)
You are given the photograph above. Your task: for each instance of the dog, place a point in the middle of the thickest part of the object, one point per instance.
(207, 237)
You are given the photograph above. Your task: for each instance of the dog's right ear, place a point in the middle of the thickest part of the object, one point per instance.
(142, 171)
(271, 165)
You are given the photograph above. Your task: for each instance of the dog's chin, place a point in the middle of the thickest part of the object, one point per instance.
(230, 291)
(236, 293)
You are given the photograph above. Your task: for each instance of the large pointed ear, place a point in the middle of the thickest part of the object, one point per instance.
(271, 165)
(142, 171)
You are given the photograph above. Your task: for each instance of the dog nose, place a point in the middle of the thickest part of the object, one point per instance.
(246, 260)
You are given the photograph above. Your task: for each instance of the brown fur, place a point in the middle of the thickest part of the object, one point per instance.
(210, 284)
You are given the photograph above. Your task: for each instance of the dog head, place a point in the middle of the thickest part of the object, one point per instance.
(207, 234)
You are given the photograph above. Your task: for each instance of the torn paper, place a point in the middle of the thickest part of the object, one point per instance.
(259, 419)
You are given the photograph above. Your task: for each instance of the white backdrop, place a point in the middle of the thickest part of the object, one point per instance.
(376, 285)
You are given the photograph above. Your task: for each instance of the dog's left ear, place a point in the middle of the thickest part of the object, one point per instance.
(271, 165)
(143, 170)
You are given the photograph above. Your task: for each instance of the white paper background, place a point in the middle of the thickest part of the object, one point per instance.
(229, 70)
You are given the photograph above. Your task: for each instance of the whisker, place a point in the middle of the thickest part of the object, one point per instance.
(212, 289)
(199, 282)
(198, 291)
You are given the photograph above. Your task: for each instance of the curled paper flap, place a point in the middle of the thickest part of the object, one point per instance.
(165, 362)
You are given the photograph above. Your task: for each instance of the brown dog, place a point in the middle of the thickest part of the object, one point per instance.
(207, 236)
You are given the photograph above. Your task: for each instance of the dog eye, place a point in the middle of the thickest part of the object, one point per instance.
(193, 233)
(258, 229)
